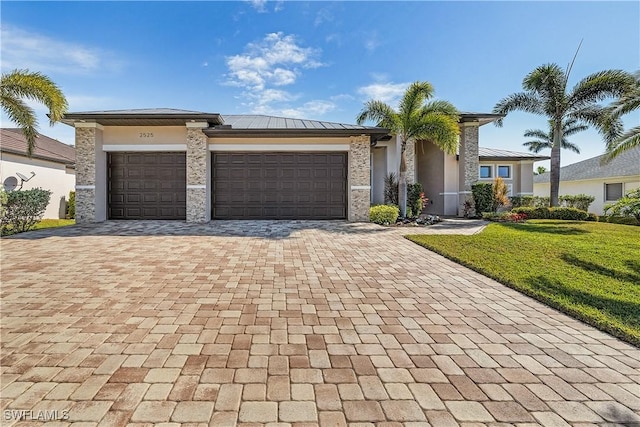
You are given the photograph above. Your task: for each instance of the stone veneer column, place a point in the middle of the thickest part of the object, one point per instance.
(197, 151)
(86, 172)
(468, 162)
(359, 179)
(410, 156)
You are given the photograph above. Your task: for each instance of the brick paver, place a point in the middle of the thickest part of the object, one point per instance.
(288, 323)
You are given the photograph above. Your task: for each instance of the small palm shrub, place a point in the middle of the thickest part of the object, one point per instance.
(391, 189)
(384, 214)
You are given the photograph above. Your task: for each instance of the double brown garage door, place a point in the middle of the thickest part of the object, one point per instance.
(273, 185)
(248, 185)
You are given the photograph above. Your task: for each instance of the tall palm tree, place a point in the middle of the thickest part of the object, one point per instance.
(627, 103)
(417, 118)
(546, 94)
(19, 85)
(544, 139)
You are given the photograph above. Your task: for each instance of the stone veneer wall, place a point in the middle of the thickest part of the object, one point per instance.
(197, 152)
(85, 175)
(410, 157)
(468, 162)
(359, 178)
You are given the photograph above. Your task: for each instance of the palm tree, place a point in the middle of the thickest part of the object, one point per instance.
(417, 118)
(545, 94)
(544, 139)
(540, 170)
(627, 103)
(19, 85)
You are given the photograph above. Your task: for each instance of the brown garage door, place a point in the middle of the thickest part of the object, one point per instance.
(147, 186)
(279, 185)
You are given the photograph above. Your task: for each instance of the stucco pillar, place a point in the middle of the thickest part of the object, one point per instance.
(359, 179)
(468, 162)
(88, 150)
(197, 158)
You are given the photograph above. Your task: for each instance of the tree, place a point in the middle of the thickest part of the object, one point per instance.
(540, 170)
(546, 94)
(627, 103)
(19, 85)
(417, 118)
(544, 140)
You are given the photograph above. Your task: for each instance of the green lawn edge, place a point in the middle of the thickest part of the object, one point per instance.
(631, 337)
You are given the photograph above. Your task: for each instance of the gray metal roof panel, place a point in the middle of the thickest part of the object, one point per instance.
(626, 164)
(485, 152)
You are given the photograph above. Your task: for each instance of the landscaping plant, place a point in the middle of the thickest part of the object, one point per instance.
(500, 190)
(627, 206)
(579, 201)
(416, 200)
(391, 189)
(384, 214)
(23, 210)
(482, 197)
(71, 205)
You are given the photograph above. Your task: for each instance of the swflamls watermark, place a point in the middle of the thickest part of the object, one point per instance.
(32, 415)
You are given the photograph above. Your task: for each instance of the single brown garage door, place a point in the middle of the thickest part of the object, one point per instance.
(279, 185)
(147, 186)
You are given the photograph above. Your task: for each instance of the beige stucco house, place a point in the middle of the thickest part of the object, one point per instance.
(606, 182)
(52, 167)
(176, 164)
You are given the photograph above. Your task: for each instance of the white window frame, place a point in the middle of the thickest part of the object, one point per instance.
(613, 183)
(491, 170)
(505, 166)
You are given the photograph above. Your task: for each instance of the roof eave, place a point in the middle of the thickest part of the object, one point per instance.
(134, 119)
(293, 133)
(481, 118)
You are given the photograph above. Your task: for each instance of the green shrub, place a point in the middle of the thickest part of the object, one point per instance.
(415, 199)
(578, 201)
(71, 205)
(562, 213)
(624, 220)
(521, 201)
(628, 206)
(504, 216)
(482, 197)
(541, 202)
(23, 210)
(592, 217)
(384, 214)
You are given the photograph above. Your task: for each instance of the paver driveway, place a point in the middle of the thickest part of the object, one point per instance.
(297, 323)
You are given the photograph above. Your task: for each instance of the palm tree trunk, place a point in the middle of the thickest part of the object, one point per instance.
(402, 183)
(554, 179)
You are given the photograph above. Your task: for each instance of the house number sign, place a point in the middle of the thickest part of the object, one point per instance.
(145, 135)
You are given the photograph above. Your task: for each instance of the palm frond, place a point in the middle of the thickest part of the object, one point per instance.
(537, 145)
(38, 87)
(570, 146)
(414, 97)
(626, 141)
(20, 113)
(599, 86)
(549, 81)
(440, 129)
(536, 133)
(380, 113)
(523, 101)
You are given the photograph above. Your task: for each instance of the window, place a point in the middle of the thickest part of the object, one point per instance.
(485, 172)
(504, 172)
(612, 192)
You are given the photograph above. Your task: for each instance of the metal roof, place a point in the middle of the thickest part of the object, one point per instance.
(255, 122)
(485, 153)
(12, 140)
(142, 117)
(626, 164)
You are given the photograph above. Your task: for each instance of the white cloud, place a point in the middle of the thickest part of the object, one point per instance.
(23, 49)
(372, 42)
(277, 59)
(259, 5)
(385, 92)
(266, 67)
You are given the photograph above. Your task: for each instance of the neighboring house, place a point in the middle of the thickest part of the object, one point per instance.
(606, 182)
(52, 167)
(177, 164)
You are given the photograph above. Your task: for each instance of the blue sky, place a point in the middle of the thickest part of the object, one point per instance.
(318, 60)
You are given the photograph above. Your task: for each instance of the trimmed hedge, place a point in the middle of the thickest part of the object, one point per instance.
(71, 205)
(570, 214)
(384, 214)
(482, 197)
(578, 201)
(23, 210)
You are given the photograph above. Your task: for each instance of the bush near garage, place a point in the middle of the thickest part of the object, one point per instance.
(23, 210)
(384, 214)
(571, 214)
(71, 205)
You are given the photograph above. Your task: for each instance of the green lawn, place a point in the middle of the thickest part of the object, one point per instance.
(589, 270)
(52, 223)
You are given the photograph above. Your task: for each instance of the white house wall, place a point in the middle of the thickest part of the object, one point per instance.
(51, 176)
(593, 187)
